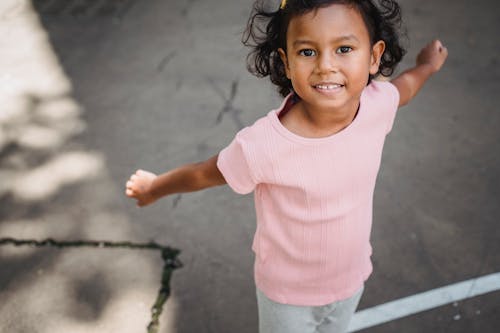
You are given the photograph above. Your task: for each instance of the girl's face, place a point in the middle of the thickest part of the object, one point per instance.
(329, 57)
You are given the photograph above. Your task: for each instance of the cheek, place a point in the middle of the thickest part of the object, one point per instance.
(296, 70)
(299, 79)
(360, 66)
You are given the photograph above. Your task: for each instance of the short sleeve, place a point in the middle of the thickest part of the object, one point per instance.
(393, 103)
(233, 164)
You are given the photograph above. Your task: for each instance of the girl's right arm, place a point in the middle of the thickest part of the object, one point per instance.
(146, 187)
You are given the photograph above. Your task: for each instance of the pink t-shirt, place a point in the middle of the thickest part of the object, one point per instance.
(313, 199)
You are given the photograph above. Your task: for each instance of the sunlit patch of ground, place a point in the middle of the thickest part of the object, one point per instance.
(53, 186)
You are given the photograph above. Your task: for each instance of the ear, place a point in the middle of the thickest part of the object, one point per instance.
(284, 59)
(377, 51)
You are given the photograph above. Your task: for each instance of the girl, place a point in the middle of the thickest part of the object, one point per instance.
(313, 162)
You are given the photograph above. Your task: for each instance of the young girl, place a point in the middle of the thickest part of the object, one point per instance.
(313, 162)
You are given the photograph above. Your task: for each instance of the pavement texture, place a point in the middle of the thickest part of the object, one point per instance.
(92, 90)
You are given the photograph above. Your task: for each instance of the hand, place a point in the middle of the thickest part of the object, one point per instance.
(433, 55)
(138, 187)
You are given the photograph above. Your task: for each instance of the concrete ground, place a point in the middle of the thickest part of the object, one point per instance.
(91, 91)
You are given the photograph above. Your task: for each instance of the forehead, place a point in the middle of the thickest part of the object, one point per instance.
(328, 23)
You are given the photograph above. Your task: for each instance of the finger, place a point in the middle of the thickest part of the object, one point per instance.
(139, 172)
(129, 192)
(134, 177)
(130, 184)
(442, 49)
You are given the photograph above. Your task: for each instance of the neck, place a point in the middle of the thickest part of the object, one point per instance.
(328, 120)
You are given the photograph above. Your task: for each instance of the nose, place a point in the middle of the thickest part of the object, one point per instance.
(327, 63)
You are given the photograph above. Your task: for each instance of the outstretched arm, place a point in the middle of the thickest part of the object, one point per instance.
(430, 60)
(146, 187)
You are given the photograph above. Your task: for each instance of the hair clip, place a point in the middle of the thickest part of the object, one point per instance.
(283, 4)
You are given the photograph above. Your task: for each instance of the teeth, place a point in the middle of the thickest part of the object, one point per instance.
(328, 86)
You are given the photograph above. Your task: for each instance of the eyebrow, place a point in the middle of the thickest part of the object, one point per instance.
(336, 40)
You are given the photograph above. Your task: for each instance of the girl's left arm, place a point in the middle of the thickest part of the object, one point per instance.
(429, 61)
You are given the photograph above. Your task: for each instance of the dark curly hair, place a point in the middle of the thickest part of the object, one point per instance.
(266, 33)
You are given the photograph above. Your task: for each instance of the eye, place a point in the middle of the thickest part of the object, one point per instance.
(344, 49)
(307, 53)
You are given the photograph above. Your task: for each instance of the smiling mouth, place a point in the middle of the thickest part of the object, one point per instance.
(328, 86)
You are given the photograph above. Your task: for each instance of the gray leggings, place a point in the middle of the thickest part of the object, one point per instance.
(284, 318)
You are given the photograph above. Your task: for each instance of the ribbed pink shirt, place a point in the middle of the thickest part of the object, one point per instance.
(313, 199)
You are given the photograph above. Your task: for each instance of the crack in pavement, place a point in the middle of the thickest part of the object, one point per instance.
(168, 255)
(228, 103)
(164, 62)
(176, 201)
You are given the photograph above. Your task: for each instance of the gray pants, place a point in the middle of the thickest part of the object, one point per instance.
(284, 318)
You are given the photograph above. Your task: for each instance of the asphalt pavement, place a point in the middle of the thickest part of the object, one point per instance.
(91, 91)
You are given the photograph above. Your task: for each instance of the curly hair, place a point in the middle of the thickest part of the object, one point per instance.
(266, 33)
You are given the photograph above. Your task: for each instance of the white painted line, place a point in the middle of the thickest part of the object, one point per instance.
(424, 301)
